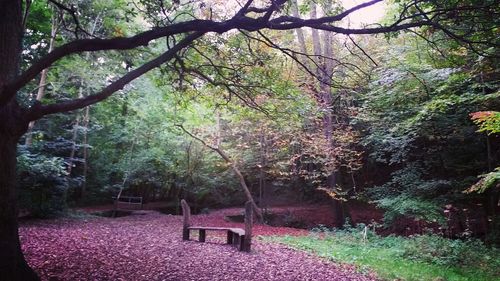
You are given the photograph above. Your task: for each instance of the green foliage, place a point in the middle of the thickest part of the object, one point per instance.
(408, 194)
(141, 149)
(438, 250)
(426, 257)
(487, 181)
(43, 184)
(416, 127)
(38, 27)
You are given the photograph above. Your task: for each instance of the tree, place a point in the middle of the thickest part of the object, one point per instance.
(421, 148)
(235, 168)
(324, 65)
(181, 32)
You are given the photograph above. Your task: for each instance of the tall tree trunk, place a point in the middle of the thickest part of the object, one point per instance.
(324, 66)
(300, 35)
(86, 118)
(43, 80)
(74, 147)
(263, 164)
(12, 263)
(13, 125)
(316, 42)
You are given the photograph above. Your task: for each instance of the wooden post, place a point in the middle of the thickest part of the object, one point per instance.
(186, 212)
(229, 237)
(247, 239)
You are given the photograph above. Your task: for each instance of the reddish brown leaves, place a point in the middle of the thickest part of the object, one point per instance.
(149, 247)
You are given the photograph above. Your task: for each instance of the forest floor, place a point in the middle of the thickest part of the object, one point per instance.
(148, 246)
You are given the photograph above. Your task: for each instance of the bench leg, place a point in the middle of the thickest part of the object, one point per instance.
(202, 235)
(236, 239)
(241, 246)
(185, 234)
(229, 237)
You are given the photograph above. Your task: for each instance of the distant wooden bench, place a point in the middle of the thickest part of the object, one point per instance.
(128, 202)
(241, 238)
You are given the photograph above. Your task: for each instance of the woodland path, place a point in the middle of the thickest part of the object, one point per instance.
(150, 247)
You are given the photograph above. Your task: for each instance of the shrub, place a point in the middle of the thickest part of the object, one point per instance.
(448, 252)
(43, 184)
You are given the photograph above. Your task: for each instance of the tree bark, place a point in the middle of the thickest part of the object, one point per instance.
(323, 69)
(12, 263)
(316, 42)
(13, 125)
(328, 109)
(300, 34)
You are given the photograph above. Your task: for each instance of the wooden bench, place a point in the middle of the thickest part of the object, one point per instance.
(241, 238)
(128, 202)
(235, 236)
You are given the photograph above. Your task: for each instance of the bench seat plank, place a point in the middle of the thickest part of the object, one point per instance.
(209, 228)
(236, 230)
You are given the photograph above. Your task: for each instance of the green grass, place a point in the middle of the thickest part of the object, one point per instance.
(426, 257)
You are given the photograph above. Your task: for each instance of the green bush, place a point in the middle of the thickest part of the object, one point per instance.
(448, 252)
(423, 257)
(43, 184)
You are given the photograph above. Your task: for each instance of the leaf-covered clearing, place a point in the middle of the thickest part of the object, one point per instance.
(150, 247)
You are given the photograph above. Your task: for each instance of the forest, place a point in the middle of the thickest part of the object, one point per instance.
(364, 134)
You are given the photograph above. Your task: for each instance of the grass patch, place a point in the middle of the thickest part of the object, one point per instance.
(425, 257)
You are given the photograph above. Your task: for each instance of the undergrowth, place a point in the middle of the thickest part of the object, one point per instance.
(422, 257)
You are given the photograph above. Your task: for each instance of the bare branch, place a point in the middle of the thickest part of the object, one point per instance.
(214, 148)
(329, 19)
(244, 9)
(27, 5)
(363, 51)
(73, 15)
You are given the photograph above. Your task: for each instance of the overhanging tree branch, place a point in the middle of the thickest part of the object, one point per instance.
(122, 43)
(38, 110)
(239, 21)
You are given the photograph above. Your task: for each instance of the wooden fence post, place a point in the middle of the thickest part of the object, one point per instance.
(247, 241)
(186, 212)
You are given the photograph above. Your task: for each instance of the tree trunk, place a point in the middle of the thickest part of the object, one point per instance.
(13, 125)
(86, 117)
(74, 146)
(300, 35)
(246, 190)
(12, 263)
(43, 80)
(316, 42)
(263, 165)
(324, 63)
